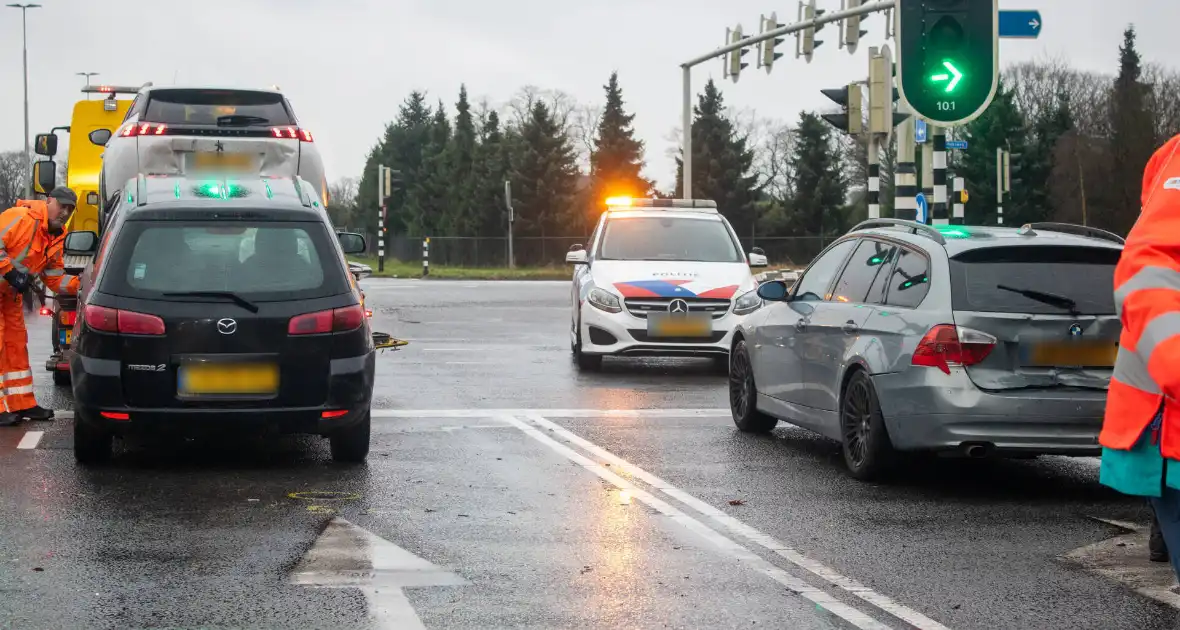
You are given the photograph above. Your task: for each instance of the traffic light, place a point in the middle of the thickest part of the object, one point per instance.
(733, 60)
(767, 54)
(882, 94)
(805, 41)
(849, 97)
(851, 33)
(948, 57)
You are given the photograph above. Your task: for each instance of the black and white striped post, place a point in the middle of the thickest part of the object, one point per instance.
(426, 256)
(383, 191)
(939, 207)
(958, 217)
(905, 188)
(874, 176)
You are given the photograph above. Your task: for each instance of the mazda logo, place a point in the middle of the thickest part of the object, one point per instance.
(227, 326)
(678, 307)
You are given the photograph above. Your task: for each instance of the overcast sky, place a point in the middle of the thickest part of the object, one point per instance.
(347, 64)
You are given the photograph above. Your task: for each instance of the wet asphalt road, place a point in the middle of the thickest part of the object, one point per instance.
(552, 499)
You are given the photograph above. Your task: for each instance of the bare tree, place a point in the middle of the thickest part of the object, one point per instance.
(1163, 100)
(343, 196)
(13, 172)
(584, 131)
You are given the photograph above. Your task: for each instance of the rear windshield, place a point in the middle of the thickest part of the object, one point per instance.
(668, 238)
(259, 261)
(1082, 274)
(213, 107)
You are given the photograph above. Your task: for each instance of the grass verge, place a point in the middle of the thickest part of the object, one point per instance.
(397, 269)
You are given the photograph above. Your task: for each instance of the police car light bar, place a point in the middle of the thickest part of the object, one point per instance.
(628, 202)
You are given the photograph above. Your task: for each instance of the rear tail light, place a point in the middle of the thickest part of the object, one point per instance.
(322, 322)
(45, 310)
(335, 413)
(115, 415)
(292, 133)
(124, 322)
(144, 129)
(947, 345)
(69, 318)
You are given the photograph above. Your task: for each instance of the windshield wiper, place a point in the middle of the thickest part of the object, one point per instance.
(1052, 299)
(228, 295)
(238, 119)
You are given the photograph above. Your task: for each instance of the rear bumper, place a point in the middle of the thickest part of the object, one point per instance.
(98, 388)
(929, 410)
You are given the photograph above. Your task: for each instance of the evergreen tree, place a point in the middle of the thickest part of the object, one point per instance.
(1132, 141)
(721, 162)
(617, 157)
(401, 149)
(461, 166)
(544, 178)
(492, 170)
(820, 188)
(431, 190)
(1039, 159)
(1000, 126)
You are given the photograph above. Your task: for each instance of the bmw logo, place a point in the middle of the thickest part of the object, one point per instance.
(1075, 330)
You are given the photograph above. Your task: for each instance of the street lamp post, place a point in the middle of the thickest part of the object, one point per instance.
(87, 75)
(25, 56)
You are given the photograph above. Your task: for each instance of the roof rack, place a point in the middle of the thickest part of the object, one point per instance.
(913, 226)
(1029, 229)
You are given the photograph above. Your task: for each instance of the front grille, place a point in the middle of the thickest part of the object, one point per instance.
(640, 307)
(643, 337)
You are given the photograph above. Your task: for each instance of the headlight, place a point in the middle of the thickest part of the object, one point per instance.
(747, 303)
(604, 301)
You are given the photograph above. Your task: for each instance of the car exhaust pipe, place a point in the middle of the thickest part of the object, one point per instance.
(977, 451)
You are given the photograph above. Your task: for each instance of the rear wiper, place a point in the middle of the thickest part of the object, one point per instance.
(229, 295)
(237, 119)
(1052, 299)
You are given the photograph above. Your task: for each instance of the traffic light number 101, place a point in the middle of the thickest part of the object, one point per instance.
(946, 106)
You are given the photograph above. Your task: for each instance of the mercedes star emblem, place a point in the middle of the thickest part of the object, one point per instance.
(227, 326)
(1075, 330)
(678, 307)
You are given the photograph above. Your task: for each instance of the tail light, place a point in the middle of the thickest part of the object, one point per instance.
(334, 413)
(69, 318)
(144, 129)
(292, 133)
(947, 345)
(115, 415)
(323, 322)
(45, 310)
(124, 322)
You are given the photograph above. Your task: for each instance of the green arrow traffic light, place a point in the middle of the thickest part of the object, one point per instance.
(952, 79)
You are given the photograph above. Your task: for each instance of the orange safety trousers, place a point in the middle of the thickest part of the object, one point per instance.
(14, 352)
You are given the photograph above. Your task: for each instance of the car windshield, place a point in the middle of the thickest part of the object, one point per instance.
(257, 261)
(1035, 279)
(217, 107)
(668, 238)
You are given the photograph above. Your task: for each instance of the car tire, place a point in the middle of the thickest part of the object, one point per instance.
(868, 451)
(350, 445)
(61, 377)
(586, 362)
(92, 445)
(743, 394)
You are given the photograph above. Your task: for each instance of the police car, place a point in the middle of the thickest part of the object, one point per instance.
(660, 277)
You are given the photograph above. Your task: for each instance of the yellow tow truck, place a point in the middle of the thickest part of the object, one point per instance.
(92, 123)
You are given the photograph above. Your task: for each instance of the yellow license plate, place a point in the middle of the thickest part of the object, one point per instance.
(1073, 354)
(680, 326)
(69, 336)
(207, 160)
(213, 379)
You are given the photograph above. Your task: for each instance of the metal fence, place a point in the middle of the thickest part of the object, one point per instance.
(465, 251)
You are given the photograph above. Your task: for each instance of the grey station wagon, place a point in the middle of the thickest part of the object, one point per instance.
(900, 336)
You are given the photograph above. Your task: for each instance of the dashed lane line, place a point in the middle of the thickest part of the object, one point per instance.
(883, 602)
(30, 440)
(822, 599)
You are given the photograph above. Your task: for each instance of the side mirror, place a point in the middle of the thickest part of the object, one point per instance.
(100, 137)
(44, 176)
(351, 242)
(773, 291)
(577, 257)
(578, 247)
(757, 259)
(758, 250)
(46, 144)
(81, 243)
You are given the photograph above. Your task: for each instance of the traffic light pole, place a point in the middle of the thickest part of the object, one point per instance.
(939, 171)
(874, 176)
(905, 189)
(381, 217)
(746, 42)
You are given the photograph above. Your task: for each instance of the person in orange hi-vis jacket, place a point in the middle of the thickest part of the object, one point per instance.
(31, 244)
(1141, 429)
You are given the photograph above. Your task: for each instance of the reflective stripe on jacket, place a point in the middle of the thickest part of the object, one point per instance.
(1147, 296)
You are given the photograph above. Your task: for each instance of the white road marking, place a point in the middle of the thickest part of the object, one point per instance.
(818, 596)
(455, 349)
(550, 413)
(30, 440)
(347, 556)
(734, 525)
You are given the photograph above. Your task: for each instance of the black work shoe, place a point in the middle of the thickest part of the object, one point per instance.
(1157, 549)
(9, 419)
(37, 413)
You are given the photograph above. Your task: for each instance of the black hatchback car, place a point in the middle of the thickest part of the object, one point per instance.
(214, 306)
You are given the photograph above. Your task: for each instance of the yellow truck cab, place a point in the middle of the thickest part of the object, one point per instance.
(92, 123)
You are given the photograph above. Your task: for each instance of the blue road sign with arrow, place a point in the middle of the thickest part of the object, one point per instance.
(1020, 24)
(956, 144)
(920, 131)
(923, 212)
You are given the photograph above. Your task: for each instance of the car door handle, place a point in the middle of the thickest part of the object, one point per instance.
(850, 327)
